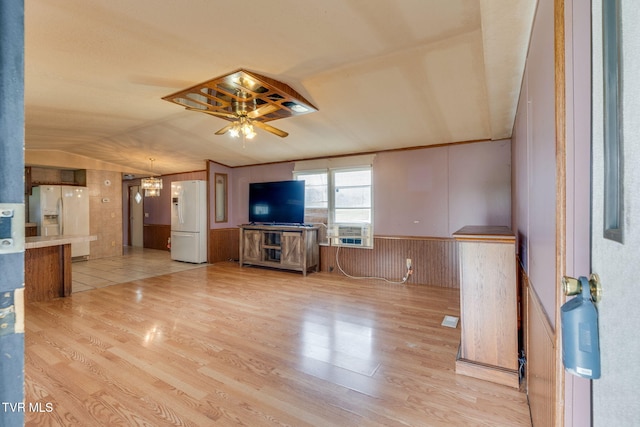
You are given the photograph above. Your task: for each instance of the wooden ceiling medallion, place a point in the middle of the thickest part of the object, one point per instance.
(244, 98)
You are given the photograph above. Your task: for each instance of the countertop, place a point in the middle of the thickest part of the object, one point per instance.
(482, 232)
(46, 241)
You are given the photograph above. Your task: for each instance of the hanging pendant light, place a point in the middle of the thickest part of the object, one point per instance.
(151, 185)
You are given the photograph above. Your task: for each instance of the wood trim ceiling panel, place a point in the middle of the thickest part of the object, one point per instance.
(242, 92)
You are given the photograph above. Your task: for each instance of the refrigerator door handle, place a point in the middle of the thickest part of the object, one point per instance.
(180, 206)
(60, 215)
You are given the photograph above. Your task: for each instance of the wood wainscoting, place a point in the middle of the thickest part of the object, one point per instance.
(540, 349)
(224, 244)
(156, 236)
(435, 260)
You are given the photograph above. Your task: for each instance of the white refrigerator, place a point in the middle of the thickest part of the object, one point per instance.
(189, 221)
(61, 210)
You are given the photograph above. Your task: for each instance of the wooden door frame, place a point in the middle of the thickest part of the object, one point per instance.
(572, 58)
(561, 197)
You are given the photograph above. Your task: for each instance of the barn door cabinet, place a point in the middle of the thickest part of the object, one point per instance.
(488, 304)
(285, 247)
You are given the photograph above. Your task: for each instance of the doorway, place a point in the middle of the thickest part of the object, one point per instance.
(136, 217)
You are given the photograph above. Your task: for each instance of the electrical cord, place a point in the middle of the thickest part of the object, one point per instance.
(402, 282)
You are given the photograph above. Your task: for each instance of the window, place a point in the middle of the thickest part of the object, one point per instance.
(316, 189)
(352, 196)
(341, 198)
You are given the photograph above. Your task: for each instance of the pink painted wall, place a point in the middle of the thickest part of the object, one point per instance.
(437, 191)
(411, 193)
(239, 188)
(425, 192)
(479, 184)
(534, 145)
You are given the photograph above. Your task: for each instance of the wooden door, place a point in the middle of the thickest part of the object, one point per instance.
(614, 256)
(292, 248)
(251, 245)
(136, 217)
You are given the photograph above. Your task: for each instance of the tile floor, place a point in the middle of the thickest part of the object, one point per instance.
(135, 263)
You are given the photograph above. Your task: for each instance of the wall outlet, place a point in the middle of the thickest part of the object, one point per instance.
(409, 264)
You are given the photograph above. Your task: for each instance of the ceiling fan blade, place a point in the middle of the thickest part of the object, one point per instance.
(225, 129)
(214, 113)
(261, 111)
(271, 129)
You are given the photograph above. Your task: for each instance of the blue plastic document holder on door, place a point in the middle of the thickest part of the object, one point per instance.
(580, 341)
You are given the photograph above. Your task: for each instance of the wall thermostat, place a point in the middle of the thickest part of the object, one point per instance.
(11, 228)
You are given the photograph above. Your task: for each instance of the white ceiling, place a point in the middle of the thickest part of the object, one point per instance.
(384, 74)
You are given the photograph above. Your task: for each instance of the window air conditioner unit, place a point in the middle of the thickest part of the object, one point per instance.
(351, 235)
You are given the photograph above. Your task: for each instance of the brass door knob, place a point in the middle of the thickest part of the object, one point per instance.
(572, 286)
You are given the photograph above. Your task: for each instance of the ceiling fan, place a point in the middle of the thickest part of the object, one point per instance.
(246, 99)
(244, 118)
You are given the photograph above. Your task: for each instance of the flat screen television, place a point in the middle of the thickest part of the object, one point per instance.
(280, 202)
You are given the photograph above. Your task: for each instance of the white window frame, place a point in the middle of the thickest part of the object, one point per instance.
(298, 174)
(332, 189)
(366, 241)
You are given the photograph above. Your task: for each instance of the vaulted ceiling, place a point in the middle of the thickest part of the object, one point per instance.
(383, 75)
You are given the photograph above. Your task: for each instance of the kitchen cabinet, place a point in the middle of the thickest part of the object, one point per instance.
(47, 266)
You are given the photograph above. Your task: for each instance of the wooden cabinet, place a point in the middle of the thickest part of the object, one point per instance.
(250, 246)
(47, 266)
(488, 304)
(285, 247)
(30, 230)
(34, 176)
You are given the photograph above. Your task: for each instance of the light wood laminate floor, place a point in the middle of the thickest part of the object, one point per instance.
(221, 345)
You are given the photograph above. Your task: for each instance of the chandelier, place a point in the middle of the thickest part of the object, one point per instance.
(151, 185)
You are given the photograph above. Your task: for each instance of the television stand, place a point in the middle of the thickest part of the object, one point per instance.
(287, 247)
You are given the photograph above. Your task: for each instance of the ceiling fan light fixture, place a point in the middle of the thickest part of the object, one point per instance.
(246, 99)
(242, 127)
(247, 129)
(299, 108)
